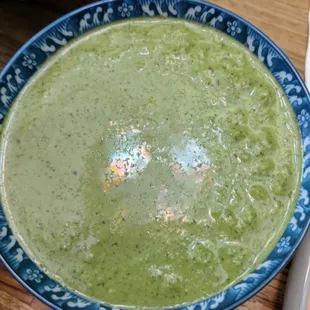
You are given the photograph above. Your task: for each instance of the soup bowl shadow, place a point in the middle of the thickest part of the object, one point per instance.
(38, 49)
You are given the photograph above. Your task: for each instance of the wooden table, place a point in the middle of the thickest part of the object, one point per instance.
(284, 21)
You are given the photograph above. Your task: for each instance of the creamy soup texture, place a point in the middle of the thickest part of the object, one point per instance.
(150, 163)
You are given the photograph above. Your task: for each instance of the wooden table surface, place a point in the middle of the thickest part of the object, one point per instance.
(284, 21)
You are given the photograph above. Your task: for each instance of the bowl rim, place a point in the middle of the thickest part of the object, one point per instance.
(283, 56)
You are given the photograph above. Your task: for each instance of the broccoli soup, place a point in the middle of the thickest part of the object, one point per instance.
(150, 163)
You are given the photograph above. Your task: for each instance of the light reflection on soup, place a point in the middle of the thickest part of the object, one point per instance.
(151, 163)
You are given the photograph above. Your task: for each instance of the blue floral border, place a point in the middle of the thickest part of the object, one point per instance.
(30, 57)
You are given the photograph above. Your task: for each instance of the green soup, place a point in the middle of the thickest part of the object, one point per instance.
(150, 163)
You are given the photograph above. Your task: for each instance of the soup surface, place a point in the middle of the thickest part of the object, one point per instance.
(150, 163)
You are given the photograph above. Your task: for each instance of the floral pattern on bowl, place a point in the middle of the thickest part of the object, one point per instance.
(31, 56)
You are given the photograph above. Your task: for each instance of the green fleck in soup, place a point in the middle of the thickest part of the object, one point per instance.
(150, 163)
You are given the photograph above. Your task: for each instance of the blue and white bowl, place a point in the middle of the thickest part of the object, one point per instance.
(35, 52)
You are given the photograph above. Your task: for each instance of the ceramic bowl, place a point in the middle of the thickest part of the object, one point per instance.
(33, 54)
